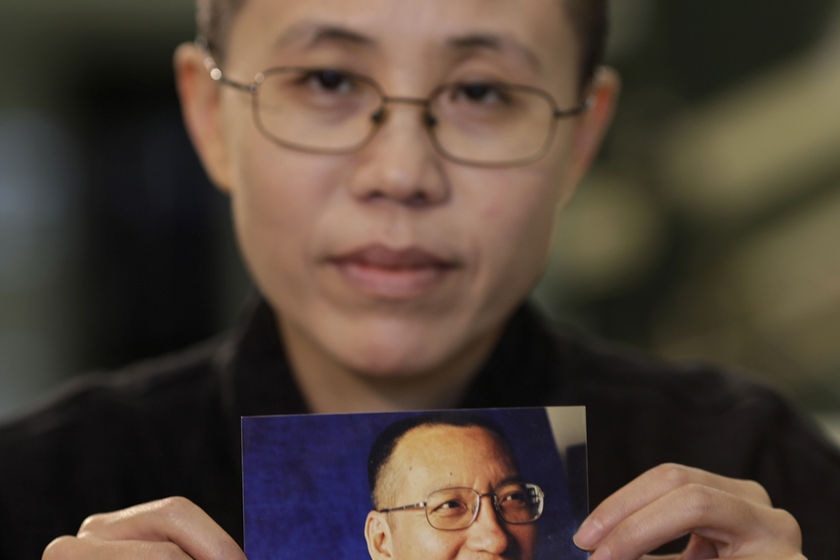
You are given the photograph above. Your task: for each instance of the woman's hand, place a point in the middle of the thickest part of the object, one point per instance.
(173, 528)
(726, 518)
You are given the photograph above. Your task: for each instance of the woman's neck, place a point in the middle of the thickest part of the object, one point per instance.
(328, 387)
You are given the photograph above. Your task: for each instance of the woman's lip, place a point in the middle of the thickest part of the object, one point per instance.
(398, 274)
(381, 256)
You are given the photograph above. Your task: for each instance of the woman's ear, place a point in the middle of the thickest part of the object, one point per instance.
(200, 107)
(593, 124)
(378, 536)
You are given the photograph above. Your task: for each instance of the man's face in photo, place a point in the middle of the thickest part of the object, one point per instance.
(430, 458)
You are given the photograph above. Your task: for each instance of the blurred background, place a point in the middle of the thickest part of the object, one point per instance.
(708, 230)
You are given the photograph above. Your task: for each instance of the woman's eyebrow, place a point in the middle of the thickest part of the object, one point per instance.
(502, 44)
(312, 33)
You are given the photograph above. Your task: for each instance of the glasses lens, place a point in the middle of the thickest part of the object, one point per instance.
(520, 503)
(492, 122)
(316, 109)
(456, 508)
(451, 508)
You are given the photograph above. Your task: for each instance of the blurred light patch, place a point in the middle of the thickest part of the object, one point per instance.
(756, 146)
(39, 181)
(771, 304)
(606, 238)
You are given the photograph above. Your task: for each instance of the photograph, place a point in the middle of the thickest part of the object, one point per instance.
(413, 485)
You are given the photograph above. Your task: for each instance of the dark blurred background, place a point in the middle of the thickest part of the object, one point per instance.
(707, 230)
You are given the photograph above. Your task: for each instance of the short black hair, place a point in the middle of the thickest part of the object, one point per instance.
(384, 444)
(590, 22)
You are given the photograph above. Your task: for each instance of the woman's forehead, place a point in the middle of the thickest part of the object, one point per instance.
(535, 31)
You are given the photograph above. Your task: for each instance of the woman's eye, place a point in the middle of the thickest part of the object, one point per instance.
(485, 93)
(329, 80)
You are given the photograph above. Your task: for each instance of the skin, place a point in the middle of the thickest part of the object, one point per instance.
(428, 458)
(369, 338)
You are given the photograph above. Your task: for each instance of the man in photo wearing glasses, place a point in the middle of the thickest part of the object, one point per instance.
(449, 486)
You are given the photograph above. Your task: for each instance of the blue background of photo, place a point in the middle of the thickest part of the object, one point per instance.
(306, 492)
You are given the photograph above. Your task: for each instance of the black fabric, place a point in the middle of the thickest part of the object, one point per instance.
(171, 427)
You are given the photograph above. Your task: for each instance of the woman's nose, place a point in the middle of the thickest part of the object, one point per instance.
(400, 163)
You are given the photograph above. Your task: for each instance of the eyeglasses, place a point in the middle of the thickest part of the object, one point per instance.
(451, 509)
(330, 111)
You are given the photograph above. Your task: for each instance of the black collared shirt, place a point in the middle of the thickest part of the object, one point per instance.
(171, 427)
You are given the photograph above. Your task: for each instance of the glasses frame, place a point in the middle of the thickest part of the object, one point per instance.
(379, 116)
(492, 494)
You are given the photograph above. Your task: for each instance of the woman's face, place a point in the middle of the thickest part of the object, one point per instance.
(393, 261)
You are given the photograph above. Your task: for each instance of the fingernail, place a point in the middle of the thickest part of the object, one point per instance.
(588, 534)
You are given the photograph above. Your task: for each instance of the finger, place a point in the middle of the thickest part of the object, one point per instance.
(69, 548)
(699, 549)
(175, 520)
(723, 526)
(651, 486)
